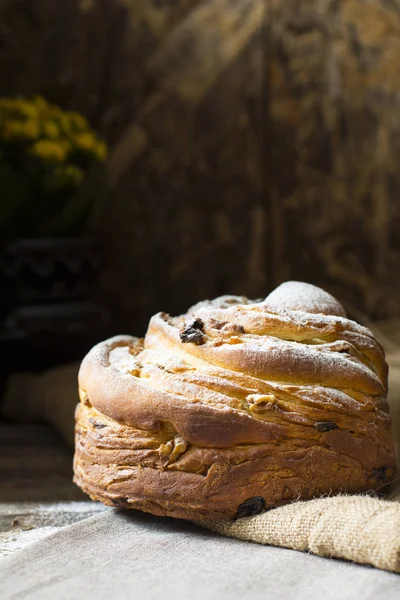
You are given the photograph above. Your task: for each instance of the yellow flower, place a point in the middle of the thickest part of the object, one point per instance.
(85, 141)
(50, 150)
(26, 109)
(51, 130)
(18, 108)
(78, 122)
(31, 130)
(12, 130)
(20, 130)
(63, 121)
(88, 142)
(101, 150)
(41, 103)
(51, 134)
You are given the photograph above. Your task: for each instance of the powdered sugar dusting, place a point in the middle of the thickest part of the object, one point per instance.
(220, 302)
(122, 359)
(296, 295)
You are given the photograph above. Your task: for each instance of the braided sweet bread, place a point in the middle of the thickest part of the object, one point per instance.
(234, 407)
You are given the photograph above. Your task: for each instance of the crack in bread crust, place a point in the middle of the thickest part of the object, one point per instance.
(283, 399)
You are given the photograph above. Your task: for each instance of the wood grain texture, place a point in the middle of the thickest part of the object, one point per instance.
(192, 169)
(252, 140)
(335, 112)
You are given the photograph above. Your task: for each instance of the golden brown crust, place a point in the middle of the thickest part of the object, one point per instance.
(233, 400)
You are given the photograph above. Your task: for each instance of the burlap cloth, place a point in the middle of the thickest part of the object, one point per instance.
(364, 529)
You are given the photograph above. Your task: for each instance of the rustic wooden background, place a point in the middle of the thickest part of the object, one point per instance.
(252, 140)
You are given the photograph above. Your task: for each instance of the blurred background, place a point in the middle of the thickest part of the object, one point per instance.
(249, 142)
(156, 153)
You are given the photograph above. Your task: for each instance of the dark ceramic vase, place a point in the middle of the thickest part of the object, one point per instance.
(51, 308)
(50, 270)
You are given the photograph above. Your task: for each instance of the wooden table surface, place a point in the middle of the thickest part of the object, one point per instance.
(37, 496)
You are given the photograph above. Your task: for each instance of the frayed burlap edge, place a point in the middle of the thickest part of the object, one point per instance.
(361, 529)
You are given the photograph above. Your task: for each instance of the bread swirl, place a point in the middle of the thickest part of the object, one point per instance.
(234, 407)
